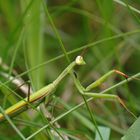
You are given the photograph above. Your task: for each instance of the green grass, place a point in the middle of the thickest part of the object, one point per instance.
(38, 41)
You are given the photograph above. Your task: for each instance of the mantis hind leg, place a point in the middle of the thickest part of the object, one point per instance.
(108, 96)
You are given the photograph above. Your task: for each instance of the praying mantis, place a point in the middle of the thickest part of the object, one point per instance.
(49, 89)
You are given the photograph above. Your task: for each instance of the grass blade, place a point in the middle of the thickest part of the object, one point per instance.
(133, 133)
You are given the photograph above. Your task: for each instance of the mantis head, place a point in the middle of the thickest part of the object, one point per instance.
(79, 60)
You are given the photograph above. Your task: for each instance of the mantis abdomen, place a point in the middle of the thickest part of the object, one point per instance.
(26, 101)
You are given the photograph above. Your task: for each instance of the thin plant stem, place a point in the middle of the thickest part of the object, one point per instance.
(92, 117)
(126, 5)
(72, 52)
(12, 124)
(56, 32)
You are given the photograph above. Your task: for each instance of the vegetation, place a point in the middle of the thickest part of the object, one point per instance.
(39, 39)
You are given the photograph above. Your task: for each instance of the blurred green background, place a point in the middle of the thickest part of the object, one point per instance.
(30, 45)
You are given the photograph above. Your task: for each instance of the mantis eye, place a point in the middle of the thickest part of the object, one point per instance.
(79, 60)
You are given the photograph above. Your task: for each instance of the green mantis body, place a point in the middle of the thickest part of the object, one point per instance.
(40, 94)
